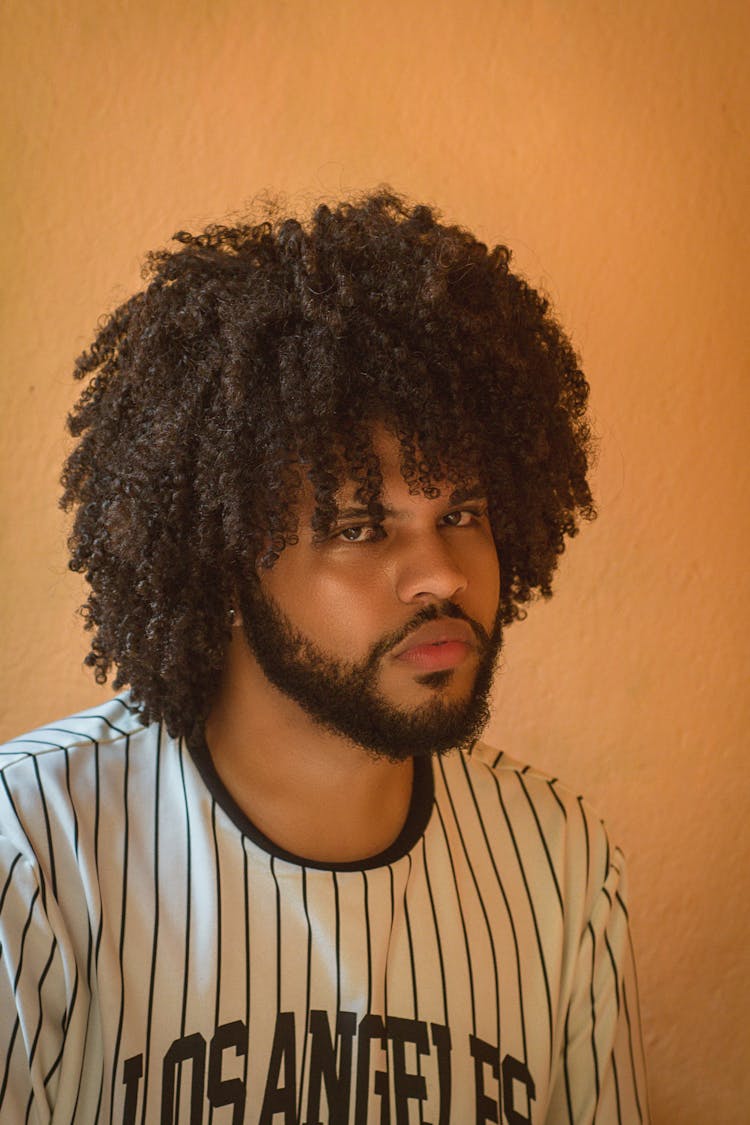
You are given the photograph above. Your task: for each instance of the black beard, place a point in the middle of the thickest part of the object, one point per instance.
(342, 698)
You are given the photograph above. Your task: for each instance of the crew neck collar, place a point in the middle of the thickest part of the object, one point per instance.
(417, 818)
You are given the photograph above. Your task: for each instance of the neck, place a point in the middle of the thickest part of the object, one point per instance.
(310, 791)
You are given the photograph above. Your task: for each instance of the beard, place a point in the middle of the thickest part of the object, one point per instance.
(343, 697)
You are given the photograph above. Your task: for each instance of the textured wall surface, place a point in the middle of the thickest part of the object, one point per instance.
(607, 145)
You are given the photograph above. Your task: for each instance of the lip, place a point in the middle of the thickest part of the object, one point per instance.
(436, 657)
(437, 645)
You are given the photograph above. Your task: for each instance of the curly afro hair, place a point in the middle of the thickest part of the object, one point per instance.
(266, 350)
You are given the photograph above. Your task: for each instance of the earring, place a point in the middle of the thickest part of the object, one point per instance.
(232, 615)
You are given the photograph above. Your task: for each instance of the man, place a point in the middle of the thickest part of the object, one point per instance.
(319, 468)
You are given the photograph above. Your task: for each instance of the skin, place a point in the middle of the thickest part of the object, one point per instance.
(309, 789)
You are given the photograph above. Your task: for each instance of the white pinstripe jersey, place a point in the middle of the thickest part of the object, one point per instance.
(162, 962)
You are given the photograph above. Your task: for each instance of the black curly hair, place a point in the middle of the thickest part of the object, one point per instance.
(266, 350)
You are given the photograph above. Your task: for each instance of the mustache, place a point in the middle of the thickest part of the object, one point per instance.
(429, 613)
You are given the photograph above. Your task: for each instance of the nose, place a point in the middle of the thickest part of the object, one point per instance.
(427, 570)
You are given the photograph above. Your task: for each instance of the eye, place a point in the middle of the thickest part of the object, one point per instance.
(464, 517)
(360, 533)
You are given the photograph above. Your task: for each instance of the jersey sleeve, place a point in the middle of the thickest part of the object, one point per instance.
(38, 986)
(601, 1078)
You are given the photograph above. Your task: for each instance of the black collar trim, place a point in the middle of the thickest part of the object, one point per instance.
(418, 816)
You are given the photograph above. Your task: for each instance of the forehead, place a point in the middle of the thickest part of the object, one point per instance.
(396, 491)
(387, 448)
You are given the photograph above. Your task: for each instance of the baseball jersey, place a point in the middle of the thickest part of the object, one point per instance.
(162, 961)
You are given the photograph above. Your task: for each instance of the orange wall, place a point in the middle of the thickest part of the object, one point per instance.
(607, 144)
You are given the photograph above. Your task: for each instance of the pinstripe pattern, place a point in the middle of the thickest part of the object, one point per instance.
(161, 962)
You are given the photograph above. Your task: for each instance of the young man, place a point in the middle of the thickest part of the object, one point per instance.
(319, 468)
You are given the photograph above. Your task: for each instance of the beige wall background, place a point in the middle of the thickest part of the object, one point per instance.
(606, 143)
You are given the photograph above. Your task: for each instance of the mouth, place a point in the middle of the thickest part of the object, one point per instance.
(436, 656)
(438, 645)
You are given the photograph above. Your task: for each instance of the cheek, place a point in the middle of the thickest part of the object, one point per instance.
(342, 611)
(341, 601)
(484, 581)
(483, 567)
(287, 585)
(496, 571)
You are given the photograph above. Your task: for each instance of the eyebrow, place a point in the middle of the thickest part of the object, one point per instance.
(458, 496)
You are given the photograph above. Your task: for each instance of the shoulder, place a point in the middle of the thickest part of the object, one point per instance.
(39, 769)
(523, 811)
(518, 784)
(111, 724)
(108, 722)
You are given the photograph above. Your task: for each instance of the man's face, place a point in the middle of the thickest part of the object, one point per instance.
(387, 634)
